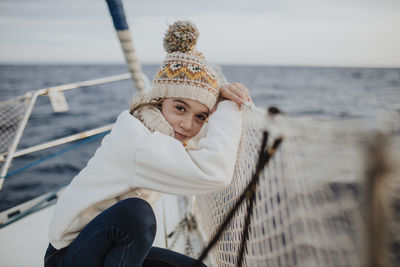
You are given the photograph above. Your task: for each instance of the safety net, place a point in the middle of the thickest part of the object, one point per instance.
(11, 114)
(329, 196)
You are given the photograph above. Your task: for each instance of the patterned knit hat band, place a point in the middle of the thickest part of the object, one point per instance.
(186, 76)
(184, 73)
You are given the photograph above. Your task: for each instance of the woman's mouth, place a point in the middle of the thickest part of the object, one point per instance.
(180, 137)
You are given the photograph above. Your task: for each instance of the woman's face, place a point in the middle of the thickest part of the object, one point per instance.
(186, 116)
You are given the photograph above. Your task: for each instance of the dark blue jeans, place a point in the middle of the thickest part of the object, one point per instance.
(122, 235)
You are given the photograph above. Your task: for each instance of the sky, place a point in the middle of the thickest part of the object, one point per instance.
(348, 33)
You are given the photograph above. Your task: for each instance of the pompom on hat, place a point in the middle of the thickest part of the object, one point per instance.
(184, 73)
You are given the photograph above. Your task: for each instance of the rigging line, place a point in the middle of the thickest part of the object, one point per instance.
(58, 153)
(264, 157)
(246, 228)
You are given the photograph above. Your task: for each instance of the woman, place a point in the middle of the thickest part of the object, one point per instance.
(104, 218)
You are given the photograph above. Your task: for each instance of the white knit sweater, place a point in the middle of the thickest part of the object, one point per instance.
(131, 159)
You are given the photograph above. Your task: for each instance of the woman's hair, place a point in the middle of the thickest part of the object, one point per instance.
(153, 103)
(148, 111)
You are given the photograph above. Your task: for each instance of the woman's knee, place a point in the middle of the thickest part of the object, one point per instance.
(138, 215)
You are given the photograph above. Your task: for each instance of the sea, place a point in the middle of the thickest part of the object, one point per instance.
(327, 92)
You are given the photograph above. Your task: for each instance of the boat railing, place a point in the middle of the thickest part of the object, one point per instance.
(58, 104)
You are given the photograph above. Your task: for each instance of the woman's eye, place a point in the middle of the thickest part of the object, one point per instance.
(180, 108)
(202, 117)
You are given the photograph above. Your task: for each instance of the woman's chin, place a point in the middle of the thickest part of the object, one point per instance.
(181, 138)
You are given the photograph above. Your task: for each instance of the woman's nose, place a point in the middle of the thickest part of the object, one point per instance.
(186, 124)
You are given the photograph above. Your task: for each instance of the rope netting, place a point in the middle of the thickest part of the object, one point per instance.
(312, 202)
(11, 114)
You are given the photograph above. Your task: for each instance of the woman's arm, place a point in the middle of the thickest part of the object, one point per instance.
(163, 164)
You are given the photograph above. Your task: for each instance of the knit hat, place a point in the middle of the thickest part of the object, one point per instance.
(184, 73)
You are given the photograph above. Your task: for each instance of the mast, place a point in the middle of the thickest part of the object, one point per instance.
(121, 26)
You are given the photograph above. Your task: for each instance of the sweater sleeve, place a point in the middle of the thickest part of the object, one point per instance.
(164, 165)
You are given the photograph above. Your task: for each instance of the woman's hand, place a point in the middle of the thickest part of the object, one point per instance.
(235, 92)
